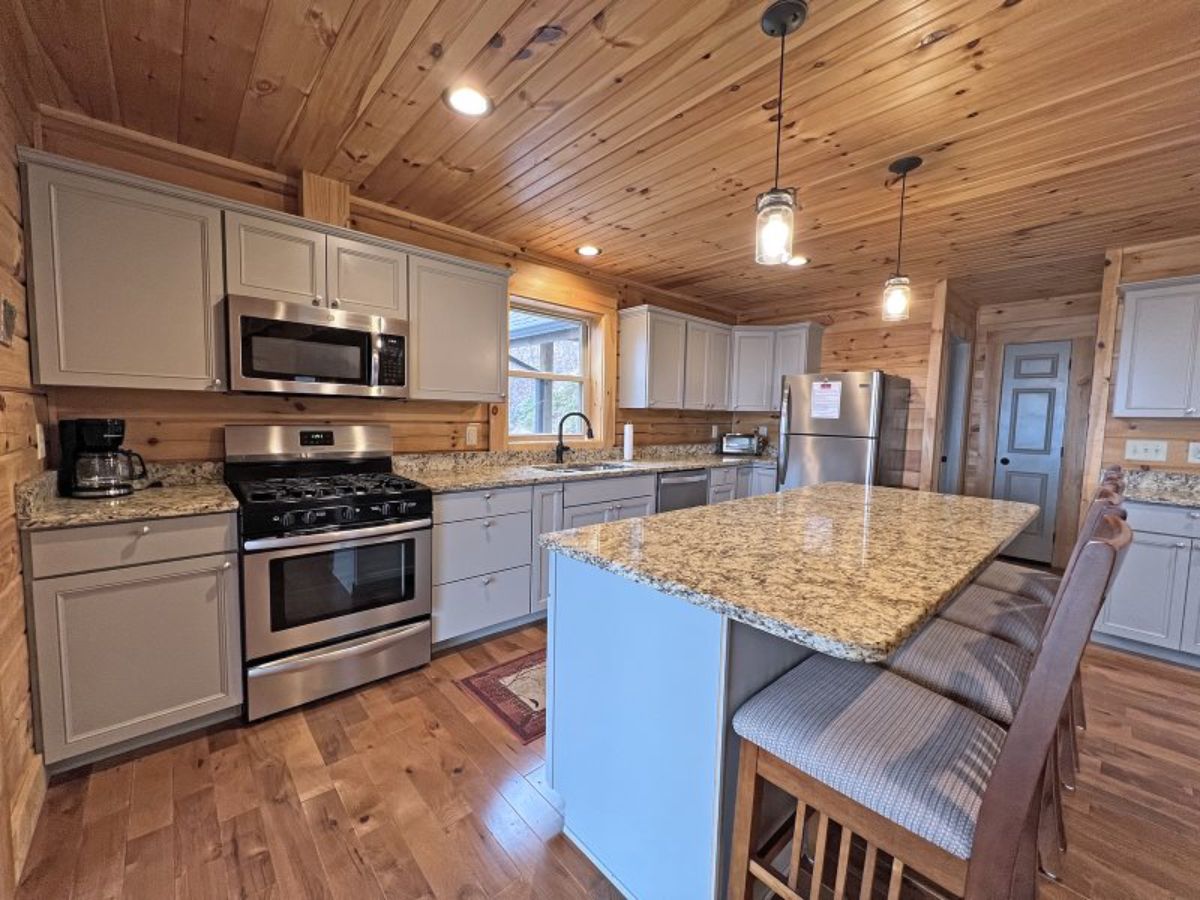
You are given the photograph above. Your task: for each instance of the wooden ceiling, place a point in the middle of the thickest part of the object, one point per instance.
(1051, 129)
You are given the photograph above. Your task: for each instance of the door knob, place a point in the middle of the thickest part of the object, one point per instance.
(1004, 460)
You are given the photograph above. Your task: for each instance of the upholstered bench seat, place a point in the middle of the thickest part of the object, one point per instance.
(1017, 620)
(906, 753)
(975, 669)
(1024, 582)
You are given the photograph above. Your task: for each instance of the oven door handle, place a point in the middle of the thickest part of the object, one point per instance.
(347, 538)
(372, 643)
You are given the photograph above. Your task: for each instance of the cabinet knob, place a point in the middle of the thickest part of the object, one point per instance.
(618, 506)
(487, 496)
(1181, 545)
(488, 579)
(145, 529)
(487, 523)
(227, 566)
(216, 382)
(1194, 515)
(1191, 410)
(335, 303)
(316, 301)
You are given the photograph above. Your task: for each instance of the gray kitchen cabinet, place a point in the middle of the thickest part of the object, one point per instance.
(127, 652)
(632, 508)
(745, 476)
(653, 351)
(1147, 598)
(587, 514)
(763, 480)
(547, 517)
(366, 278)
(722, 484)
(274, 260)
(706, 366)
(126, 284)
(1158, 367)
(459, 331)
(1190, 641)
(753, 369)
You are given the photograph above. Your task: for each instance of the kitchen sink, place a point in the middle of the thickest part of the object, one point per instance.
(582, 467)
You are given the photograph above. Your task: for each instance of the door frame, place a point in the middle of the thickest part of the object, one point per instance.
(989, 366)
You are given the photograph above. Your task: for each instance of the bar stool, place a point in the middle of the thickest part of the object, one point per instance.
(896, 775)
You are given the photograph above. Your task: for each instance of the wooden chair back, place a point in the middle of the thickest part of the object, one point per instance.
(1004, 857)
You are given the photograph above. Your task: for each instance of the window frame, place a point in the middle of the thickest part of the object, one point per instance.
(590, 340)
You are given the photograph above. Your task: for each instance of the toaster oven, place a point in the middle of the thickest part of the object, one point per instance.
(742, 445)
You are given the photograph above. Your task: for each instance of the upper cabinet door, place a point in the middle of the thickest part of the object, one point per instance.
(126, 284)
(720, 343)
(274, 260)
(459, 332)
(1158, 368)
(753, 369)
(367, 278)
(667, 347)
(695, 387)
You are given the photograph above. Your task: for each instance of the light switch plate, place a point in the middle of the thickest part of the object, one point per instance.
(762, 430)
(716, 431)
(1194, 452)
(40, 434)
(471, 438)
(1146, 451)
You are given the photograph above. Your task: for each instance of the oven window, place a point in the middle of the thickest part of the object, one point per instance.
(325, 585)
(292, 351)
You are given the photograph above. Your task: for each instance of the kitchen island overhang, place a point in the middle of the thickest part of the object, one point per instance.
(661, 627)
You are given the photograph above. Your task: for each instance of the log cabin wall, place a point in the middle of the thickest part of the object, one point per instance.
(166, 426)
(22, 775)
(1151, 262)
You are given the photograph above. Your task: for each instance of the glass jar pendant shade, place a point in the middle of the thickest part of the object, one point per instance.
(897, 290)
(776, 227)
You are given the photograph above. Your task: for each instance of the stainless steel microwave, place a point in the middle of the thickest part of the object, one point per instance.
(286, 348)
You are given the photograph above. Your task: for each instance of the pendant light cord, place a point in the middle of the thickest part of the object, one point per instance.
(779, 109)
(900, 239)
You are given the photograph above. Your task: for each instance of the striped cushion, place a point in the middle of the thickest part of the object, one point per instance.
(1017, 620)
(971, 668)
(1014, 579)
(918, 759)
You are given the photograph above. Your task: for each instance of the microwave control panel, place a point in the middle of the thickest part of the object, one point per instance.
(391, 360)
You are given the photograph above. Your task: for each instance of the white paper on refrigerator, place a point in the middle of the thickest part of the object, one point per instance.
(826, 400)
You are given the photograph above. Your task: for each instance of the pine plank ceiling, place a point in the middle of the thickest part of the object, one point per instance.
(1051, 129)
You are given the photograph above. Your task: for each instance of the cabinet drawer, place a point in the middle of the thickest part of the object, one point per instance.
(85, 549)
(722, 477)
(1163, 519)
(604, 489)
(474, 603)
(479, 546)
(477, 504)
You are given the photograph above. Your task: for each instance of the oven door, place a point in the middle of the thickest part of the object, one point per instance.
(309, 589)
(281, 347)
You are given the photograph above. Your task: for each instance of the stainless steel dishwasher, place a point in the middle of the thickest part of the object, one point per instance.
(679, 490)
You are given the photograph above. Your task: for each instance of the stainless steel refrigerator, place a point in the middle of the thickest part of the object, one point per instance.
(849, 426)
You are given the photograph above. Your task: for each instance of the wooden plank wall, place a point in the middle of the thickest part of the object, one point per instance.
(857, 338)
(1150, 262)
(187, 425)
(22, 775)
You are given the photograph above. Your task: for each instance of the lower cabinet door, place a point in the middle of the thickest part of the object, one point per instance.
(547, 517)
(462, 607)
(763, 481)
(718, 493)
(1191, 616)
(1146, 600)
(124, 653)
(745, 477)
(632, 508)
(588, 514)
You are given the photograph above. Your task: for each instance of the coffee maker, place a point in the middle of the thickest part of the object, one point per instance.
(93, 464)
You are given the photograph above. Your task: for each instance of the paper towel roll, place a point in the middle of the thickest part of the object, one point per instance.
(628, 441)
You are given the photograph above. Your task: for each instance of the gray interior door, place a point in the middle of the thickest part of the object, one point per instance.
(1029, 438)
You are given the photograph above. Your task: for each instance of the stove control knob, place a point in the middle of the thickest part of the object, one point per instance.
(346, 514)
(307, 517)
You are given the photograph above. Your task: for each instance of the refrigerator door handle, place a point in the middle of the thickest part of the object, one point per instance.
(784, 426)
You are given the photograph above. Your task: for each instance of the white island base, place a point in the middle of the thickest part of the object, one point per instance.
(641, 689)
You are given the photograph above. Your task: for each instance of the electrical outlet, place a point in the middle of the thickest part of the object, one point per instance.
(40, 436)
(1194, 452)
(471, 438)
(1146, 451)
(762, 430)
(716, 431)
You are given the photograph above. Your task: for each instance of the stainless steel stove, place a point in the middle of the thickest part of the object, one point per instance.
(336, 560)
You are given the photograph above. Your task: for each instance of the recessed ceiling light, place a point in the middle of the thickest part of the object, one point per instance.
(588, 250)
(468, 101)
(798, 261)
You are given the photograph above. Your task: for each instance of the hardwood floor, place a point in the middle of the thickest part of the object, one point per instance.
(409, 788)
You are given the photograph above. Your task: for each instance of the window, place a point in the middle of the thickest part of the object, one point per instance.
(547, 371)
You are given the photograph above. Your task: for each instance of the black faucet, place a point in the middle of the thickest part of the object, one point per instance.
(561, 448)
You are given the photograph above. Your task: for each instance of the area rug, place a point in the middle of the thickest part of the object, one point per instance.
(516, 692)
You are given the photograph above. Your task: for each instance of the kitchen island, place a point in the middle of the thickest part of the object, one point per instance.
(661, 627)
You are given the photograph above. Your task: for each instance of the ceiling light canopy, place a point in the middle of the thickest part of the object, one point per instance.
(897, 290)
(776, 226)
(797, 261)
(468, 101)
(588, 250)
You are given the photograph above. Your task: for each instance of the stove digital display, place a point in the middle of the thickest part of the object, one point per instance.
(316, 439)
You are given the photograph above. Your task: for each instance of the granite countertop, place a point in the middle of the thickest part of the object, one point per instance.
(846, 570)
(445, 480)
(188, 490)
(1166, 488)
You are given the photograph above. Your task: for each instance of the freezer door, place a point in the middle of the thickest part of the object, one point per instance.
(846, 403)
(811, 459)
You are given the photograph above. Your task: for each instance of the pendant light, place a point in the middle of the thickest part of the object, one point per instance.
(897, 291)
(777, 207)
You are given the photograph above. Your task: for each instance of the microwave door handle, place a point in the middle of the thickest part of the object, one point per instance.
(376, 343)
